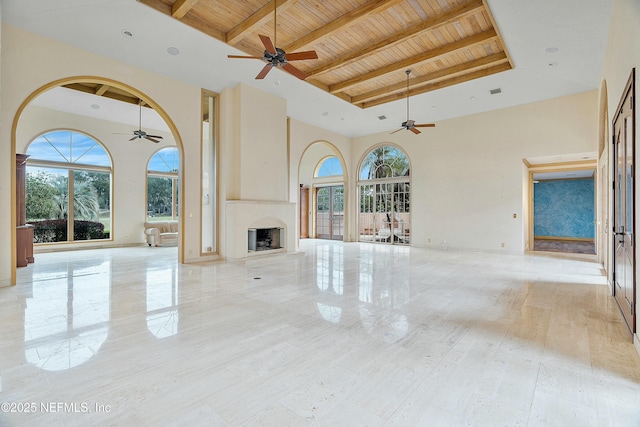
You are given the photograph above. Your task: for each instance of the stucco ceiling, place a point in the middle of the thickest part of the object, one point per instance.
(557, 48)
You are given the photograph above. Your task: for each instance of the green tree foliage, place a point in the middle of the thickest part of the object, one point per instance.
(85, 199)
(40, 197)
(101, 181)
(159, 194)
(381, 163)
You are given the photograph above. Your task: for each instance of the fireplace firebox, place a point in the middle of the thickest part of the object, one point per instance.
(264, 239)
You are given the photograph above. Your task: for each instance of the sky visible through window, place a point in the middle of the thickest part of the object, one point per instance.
(165, 160)
(66, 146)
(384, 162)
(330, 167)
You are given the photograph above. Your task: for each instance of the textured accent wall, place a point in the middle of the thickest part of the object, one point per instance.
(564, 208)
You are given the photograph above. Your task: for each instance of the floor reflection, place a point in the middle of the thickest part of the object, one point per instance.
(379, 281)
(66, 316)
(162, 302)
(330, 269)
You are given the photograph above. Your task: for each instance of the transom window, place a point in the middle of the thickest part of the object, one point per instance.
(329, 166)
(384, 162)
(68, 188)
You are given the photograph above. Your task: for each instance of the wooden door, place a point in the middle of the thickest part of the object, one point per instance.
(304, 212)
(623, 208)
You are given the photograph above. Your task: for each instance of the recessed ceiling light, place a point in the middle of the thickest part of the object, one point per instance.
(551, 49)
(95, 106)
(473, 98)
(277, 83)
(173, 51)
(127, 33)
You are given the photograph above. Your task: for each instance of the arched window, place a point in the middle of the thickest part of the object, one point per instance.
(384, 194)
(162, 185)
(384, 162)
(330, 166)
(61, 163)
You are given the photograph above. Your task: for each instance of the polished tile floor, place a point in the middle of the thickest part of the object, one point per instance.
(344, 335)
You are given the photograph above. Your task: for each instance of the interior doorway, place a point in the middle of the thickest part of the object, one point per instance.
(571, 194)
(623, 205)
(330, 212)
(564, 211)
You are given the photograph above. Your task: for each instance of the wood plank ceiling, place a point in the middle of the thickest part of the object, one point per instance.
(364, 47)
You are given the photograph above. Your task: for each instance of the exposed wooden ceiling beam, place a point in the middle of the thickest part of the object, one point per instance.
(182, 7)
(264, 14)
(495, 59)
(197, 24)
(100, 90)
(441, 84)
(406, 63)
(108, 93)
(367, 9)
(453, 14)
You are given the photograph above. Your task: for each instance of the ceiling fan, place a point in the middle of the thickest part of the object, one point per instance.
(276, 57)
(411, 124)
(140, 134)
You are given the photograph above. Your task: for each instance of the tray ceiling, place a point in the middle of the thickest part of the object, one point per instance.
(364, 47)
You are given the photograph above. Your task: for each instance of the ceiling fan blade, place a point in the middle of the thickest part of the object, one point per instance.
(396, 131)
(414, 130)
(148, 137)
(263, 73)
(135, 137)
(244, 57)
(155, 136)
(268, 45)
(297, 56)
(295, 71)
(426, 125)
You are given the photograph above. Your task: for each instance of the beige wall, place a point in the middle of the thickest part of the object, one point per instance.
(623, 54)
(467, 173)
(262, 135)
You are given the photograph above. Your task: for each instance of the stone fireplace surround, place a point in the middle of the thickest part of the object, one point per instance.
(242, 215)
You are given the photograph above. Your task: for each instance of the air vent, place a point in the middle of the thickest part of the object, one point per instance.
(382, 117)
(495, 91)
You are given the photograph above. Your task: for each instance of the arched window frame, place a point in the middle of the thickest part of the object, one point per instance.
(384, 195)
(72, 164)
